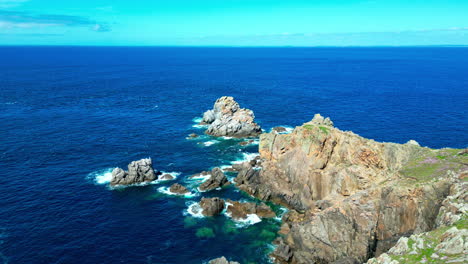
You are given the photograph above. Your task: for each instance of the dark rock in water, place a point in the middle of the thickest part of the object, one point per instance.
(240, 210)
(245, 143)
(179, 189)
(166, 177)
(222, 260)
(216, 180)
(228, 119)
(463, 152)
(193, 135)
(279, 129)
(138, 172)
(212, 206)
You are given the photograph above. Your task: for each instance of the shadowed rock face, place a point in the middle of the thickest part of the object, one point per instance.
(228, 119)
(351, 198)
(179, 189)
(140, 171)
(216, 180)
(212, 206)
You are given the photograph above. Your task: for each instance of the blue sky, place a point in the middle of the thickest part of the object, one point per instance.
(234, 22)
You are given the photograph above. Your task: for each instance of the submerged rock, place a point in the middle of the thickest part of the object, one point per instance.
(166, 177)
(228, 119)
(179, 189)
(222, 260)
(217, 179)
(212, 206)
(140, 171)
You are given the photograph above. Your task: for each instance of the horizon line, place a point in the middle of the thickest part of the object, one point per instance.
(244, 46)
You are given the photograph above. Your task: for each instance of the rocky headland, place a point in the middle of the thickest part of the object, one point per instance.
(352, 198)
(228, 119)
(140, 171)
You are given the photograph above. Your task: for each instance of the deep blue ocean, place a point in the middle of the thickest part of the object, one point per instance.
(68, 115)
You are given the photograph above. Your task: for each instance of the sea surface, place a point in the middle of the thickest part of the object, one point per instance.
(68, 115)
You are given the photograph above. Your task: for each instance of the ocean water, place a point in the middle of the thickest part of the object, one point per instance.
(68, 115)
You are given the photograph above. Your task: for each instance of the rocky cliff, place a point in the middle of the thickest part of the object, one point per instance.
(350, 198)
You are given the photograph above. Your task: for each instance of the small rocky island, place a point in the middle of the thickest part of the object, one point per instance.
(228, 119)
(140, 171)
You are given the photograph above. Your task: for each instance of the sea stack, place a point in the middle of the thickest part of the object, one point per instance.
(139, 171)
(228, 119)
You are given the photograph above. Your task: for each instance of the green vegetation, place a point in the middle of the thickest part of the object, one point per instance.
(308, 127)
(324, 129)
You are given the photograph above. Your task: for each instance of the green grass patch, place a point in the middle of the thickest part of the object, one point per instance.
(308, 127)
(324, 129)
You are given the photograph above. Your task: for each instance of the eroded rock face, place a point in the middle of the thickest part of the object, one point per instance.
(228, 119)
(212, 206)
(351, 198)
(140, 171)
(239, 210)
(179, 189)
(217, 179)
(222, 260)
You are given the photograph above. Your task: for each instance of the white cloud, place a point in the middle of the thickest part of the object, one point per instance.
(10, 25)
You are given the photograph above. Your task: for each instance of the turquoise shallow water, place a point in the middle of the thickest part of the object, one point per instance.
(69, 114)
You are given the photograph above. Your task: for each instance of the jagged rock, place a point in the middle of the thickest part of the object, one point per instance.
(140, 171)
(179, 189)
(166, 177)
(279, 129)
(454, 241)
(321, 121)
(400, 248)
(222, 260)
(376, 192)
(382, 259)
(212, 206)
(228, 119)
(216, 180)
(283, 253)
(455, 206)
(239, 210)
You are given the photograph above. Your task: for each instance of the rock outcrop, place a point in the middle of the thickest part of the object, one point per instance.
(228, 119)
(140, 171)
(217, 179)
(350, 198)
(222, 260)
(166, 177)
(238, 210)
(212, 206)
(178, 189)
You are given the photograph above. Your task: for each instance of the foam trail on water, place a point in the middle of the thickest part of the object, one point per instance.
(102, 176)
(210, 142)
(245, 157)
(194, 210)
(167, 191)
(197, 121)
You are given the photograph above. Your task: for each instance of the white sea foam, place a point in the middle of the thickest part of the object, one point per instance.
(288, 130)
(245, 157)
(166, 190)
(280, 215)
(251, 219)
(210, 142)
(197, 121)
(102, 176)
(173, 174)
(194, 210)
(200, 177)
